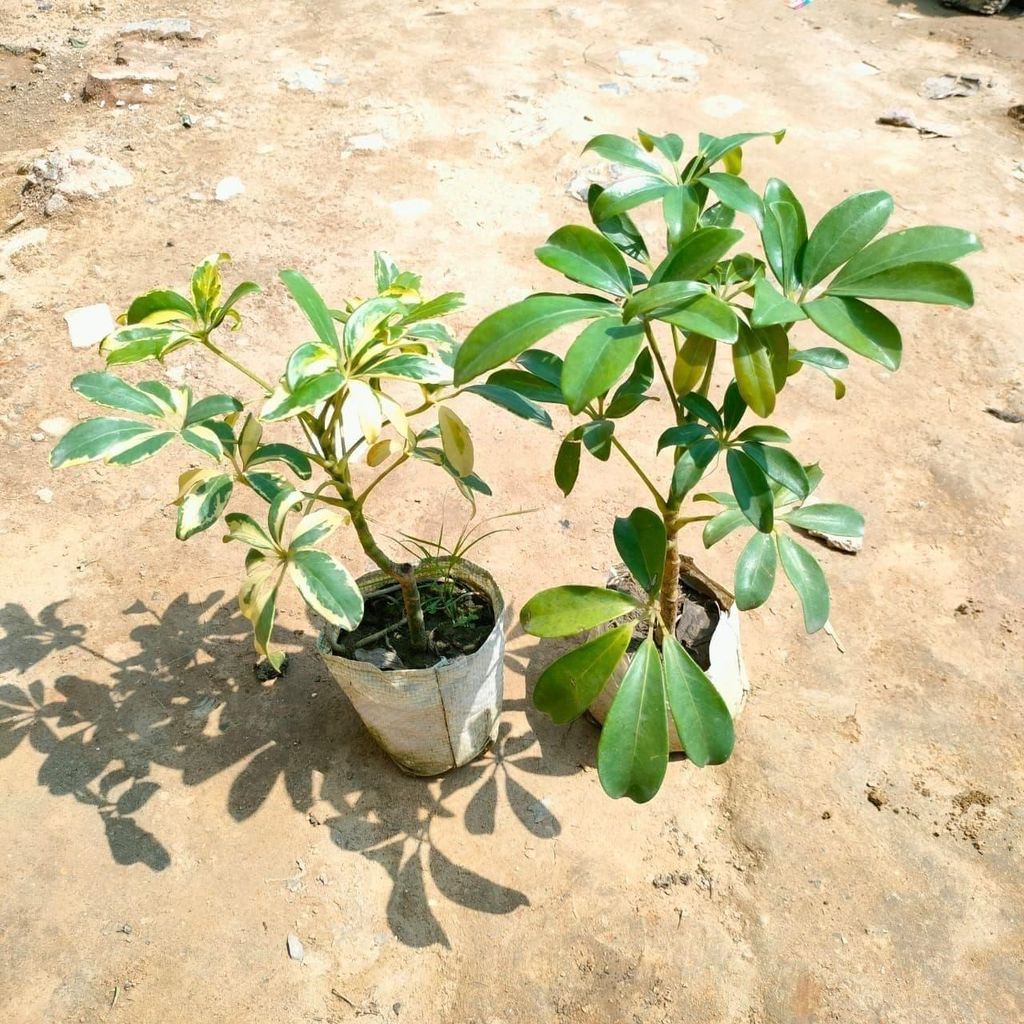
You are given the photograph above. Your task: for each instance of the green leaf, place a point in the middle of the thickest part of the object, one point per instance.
(368, 319)
(529, 385)
(285, 502)
(691, 363)
(509, 332)
(511, 401)
(142, 450)
(777, 191)
(100, 438)
(419, 368)
(838, 520)
(912, 245)
(294, 459)
(765, 433)
(567, 465)
(619, 230)
(703, 410)
(696, 254)
(433, 308)
(783, 238)
(843, 232)
(309, 360)
(134, 344)
(597, 359)
(310, 302)
(802, 570)
(564, 611)
(755, 571)
(244, 528)
(569, 685)
(772, 307)
(588, 258)
(859, 327)
(712, 148)
(825, 358)
(267, 484)
(778, 465)
(691, 466)
(752, 365)
(653, 302)
(315, 527)
(717, 216)
(670, 146)
(624, 195)
(114, 393)
(749, 484)
(701, 717)
(597, 437)
(938, 283)
(733, 407)
(682, 436)
(722, 525)
(384, 270)
(736, 194)
(211, 406)
(239, 292)
(707, 315)
(632, 755)
(623, 151)
(202, 507)
(641, 542)
(203, 439)
(680, 208)
(284, 403)
(545, 365)
(160, 302)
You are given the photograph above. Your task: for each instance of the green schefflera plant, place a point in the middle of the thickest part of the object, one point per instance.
(671, 319)
(356, 392)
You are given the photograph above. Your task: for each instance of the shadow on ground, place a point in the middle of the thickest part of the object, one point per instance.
(188, 701)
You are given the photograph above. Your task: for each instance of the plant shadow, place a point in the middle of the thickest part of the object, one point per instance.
(187, 700)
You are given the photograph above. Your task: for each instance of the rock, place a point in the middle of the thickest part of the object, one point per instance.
(56, 426)
(38, 435)
(38, 68)
(227, 189)
(45, 495)
(295, 948)
(946, 86)
(55, 205)
(89, 325)
(163, 28)
(411, 208)
(372, 143)
(77, 173)
(615, 88)
(304, 80)
(138, 84)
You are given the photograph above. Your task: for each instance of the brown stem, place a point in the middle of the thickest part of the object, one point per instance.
(401, 572)
(670, 583)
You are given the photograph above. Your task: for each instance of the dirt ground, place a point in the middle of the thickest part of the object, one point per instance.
(166, 820)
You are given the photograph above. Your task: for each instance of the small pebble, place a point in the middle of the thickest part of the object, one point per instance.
(38, 435)
(45, 495)
(38, 68)
(228, 188)
(295, 948)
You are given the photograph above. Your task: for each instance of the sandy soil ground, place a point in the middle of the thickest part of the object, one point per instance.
(166, 820)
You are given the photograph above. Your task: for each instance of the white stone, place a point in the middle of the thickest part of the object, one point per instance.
(56, 426)
(45, 495)
(304, 80)
(89, 325)
(372, 143)
(410, 208)
(78, 173)
(162, 28)
(228, 188)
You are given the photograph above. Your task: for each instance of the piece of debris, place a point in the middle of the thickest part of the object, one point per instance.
(615, 88)
(295, 948)
(89, 325)
(968, 607)
(227, 189)
(38, 435)
(666, 881)
(1016, 113)
(135, 84)
(978, 6)
(45, 495)
(372, 143)
(265, 672)
(876, 797)
(18, 218)
(163, 29)
(946, 86)
(304, 80)
(75, 174)
(848, 545)
(1006, 415)
(863, 69)
(38, 69)
(56, 426)
(903, 117)
(55, 205)
(382, 657)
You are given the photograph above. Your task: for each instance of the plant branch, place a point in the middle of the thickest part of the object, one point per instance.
(221, 354)
(390, 469)
(656, 352)
(618, 445)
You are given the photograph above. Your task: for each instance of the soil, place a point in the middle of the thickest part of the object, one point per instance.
(474, 620)
(167, 820)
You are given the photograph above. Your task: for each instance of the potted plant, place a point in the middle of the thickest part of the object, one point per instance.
(653, 674)
(416, 646)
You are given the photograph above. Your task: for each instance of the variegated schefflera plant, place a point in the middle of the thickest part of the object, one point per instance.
(667, 319)
(357, 394)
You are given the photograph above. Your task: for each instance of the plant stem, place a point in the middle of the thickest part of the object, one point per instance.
(656, 352)
(221, 354)
(617, 444)
(670, 580)
(401, 572)
(390, 469)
